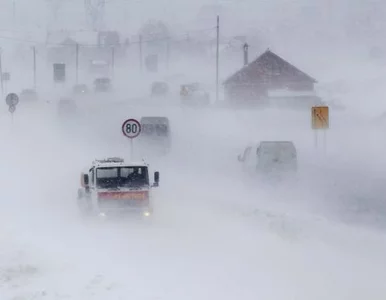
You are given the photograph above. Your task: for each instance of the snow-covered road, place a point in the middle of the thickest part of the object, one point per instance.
(215, 235)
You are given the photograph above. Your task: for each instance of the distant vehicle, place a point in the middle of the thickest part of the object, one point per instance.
(270, 158)
(114, 187)
(67, 107)
(99, 67)
(80, 89)
(108, 39)
(102, 85)
(155, 134)
(28, 95)
(159, 88)
(194, 95)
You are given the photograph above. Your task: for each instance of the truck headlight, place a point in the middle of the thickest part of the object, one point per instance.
(146, 214)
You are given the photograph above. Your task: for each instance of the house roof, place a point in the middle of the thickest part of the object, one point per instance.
(68, 41)
(268, 66)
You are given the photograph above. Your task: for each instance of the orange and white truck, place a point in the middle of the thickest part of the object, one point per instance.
(113, 187)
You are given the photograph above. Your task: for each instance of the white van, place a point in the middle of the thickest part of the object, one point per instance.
(270, 157)
(155, 135)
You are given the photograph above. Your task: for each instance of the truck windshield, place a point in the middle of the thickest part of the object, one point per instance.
(276, 153)
(115, 177)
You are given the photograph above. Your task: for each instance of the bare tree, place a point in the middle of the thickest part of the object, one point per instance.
(55, 7)
(95, 10)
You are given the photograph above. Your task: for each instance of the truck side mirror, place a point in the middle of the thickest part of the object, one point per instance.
(85, 180)
(240, 158)
(156, 178)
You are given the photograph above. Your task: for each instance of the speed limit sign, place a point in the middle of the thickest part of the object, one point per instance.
(131, 128)
(12, 99)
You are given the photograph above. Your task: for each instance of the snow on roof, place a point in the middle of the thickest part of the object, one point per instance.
(268, 66)
(123, 164)
(117, 162)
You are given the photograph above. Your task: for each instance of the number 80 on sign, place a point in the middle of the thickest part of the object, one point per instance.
(131, 128)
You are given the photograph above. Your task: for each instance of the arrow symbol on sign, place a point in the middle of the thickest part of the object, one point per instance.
(320, 117)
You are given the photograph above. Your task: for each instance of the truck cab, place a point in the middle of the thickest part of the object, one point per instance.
(112, 186)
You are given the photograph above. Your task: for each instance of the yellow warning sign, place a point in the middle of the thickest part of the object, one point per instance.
(320, 117)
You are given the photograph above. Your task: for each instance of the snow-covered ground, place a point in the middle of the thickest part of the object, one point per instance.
(215, 233)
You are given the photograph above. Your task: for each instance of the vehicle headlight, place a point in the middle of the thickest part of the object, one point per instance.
(146, 214)
(102, 215)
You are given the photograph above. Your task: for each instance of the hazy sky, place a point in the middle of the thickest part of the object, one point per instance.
(302, 23)
(123, 13)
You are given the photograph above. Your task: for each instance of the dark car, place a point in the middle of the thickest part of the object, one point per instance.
(28, 95)
(159, 88)
(80, 89)
(102, 85)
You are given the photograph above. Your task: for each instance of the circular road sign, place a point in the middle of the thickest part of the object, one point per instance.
(131, 128)
(12, 109)
(12, 99)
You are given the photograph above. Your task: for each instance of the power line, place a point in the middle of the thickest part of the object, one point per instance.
(175, 38)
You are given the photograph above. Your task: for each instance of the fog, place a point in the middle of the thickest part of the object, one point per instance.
(216, 233)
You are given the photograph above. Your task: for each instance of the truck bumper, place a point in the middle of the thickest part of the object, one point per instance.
(143, 212)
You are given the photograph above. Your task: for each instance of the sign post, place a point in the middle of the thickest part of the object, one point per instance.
(320, 121)
(5, 77)
(131, 129)
(12, 100)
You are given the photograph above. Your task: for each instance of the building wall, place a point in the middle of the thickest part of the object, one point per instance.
(245, 95)
(258, 95)
(301, 86)
(293, 85)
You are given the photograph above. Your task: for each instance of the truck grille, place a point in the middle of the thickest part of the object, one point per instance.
(123, 199)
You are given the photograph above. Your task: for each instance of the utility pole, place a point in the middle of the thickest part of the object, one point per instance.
(112, 61)
(167, 53)
(245, 49)
(1, 74)
(77, 63)
(14, 10)
(217, 54)
(140, 51)
(34, 64)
